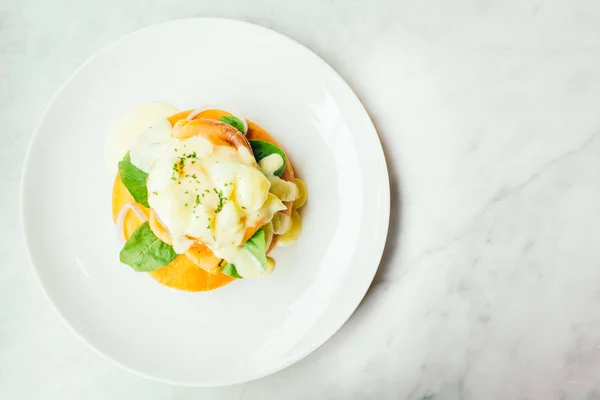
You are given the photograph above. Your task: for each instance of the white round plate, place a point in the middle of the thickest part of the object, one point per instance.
(247, 329)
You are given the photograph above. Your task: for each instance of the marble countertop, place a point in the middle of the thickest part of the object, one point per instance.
(488, 112)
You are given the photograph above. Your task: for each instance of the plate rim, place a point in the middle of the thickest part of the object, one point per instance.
(377, 252)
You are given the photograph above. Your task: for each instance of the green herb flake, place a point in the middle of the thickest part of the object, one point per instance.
(222, 200)
(175, 171)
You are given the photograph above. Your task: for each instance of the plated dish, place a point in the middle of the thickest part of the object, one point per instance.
(201, 196)
(250, 327)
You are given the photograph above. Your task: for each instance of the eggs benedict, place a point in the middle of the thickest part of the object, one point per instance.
(201, 197)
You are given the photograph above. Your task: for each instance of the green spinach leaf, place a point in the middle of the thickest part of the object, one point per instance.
(229, 269)
(233, 121)
(261, 149)
(144, 252)
(257, 246)
(134, 180)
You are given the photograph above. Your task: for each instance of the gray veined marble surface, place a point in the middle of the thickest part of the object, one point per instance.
(489, 112)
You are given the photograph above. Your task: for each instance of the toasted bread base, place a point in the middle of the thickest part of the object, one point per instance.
(182, 273)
